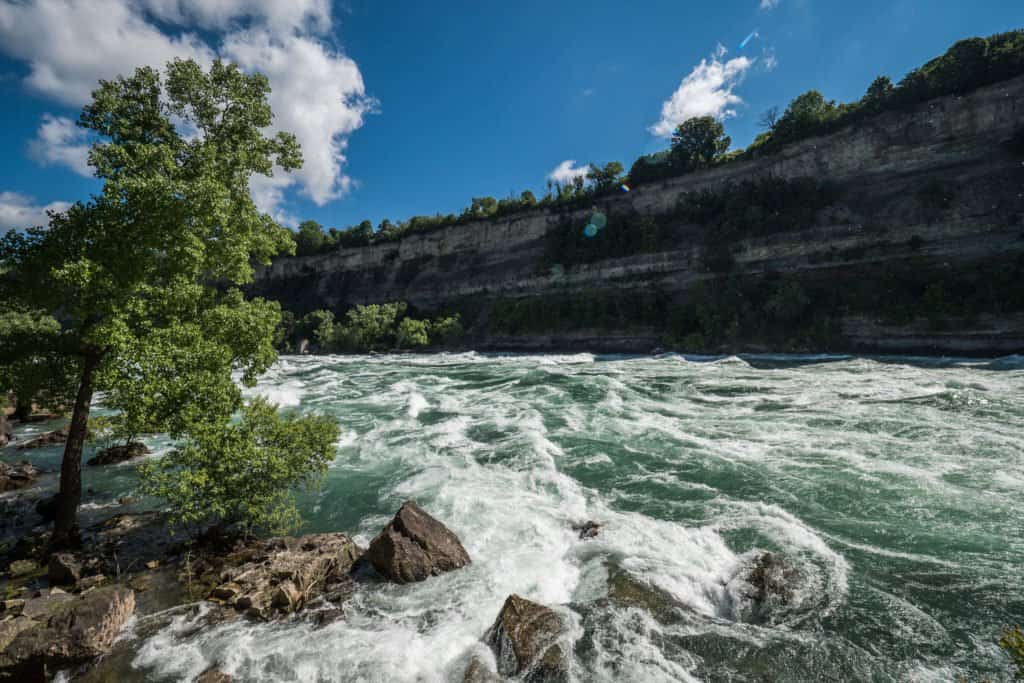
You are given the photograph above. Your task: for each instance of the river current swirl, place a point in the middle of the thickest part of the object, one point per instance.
(892, 487)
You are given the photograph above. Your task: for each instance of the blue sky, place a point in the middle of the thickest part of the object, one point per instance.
(413, 108)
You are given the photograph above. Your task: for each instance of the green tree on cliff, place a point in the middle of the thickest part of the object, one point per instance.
(699, 142)
(140, 282)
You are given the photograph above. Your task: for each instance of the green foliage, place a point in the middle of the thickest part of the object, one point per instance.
(243, 473)
(446, 330)
(1012, 641)
(698, 143)
(605, 179)
(369, 328)
(412, 333)
(142, 280)
(310, 239)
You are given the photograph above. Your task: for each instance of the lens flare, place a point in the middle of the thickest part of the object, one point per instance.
(599, 220)
(625, 187)
(590, 230)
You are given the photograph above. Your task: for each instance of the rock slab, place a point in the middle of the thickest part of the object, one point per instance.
(280, 576)
(17, 476)
(526, 641)
(414, 546)
(64, 632)
(117, 454)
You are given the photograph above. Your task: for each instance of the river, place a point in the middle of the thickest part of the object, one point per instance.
(891, 486)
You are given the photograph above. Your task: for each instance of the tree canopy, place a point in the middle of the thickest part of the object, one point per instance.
(137, 288)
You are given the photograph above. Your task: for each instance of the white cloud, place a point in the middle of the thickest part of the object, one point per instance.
(18, 211)
(317, 92)
(705, 91)
(286, 15)
(268, 195)
(60, 141)
(71, 44)
(567, 171)
(769, 4)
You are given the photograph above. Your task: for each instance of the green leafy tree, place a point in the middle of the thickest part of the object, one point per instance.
(878, 93)
(244, 473)
(446, 330)
(804, 116)
(606, 178)
(310, 239)
(143, 277)
(369, 328)
(412, 333)
(699, 142)
(527, 199)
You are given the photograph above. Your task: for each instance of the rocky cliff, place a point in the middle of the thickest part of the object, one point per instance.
(917, 246)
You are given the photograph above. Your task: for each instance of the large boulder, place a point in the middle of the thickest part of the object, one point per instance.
(53, 438)
(65, 632)
(279, 576)
(527, 642)
(17, 476)
(415, 546)
(117, 454)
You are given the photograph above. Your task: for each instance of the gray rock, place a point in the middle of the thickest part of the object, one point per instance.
(477, 672)
(116, 454)
(20, 568)
(53, 438)
(5, 430)
(214, 675)
(18, 476)
(71, 631)
(415, 546)
(525, 639)
(587, 530)
(64, 570)
(280, 576)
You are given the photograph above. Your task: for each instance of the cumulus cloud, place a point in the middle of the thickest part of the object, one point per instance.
(566, 172)
(317, 92)
(59, 141)
(705, 91)
(769, 4)
(284, 15)
(19, 211)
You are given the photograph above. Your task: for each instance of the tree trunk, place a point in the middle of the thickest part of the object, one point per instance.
(65, 531)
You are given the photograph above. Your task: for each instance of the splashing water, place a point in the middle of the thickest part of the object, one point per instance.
(892, 489)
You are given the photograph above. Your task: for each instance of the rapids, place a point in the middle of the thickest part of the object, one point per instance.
(893, 486)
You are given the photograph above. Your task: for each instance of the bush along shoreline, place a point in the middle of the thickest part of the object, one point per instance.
(366, 329)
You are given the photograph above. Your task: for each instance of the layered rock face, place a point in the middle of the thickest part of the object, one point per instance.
(880, 222)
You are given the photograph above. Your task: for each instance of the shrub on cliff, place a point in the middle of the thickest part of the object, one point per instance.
(144, 277)
(412, 333)
(243, 473)
(1012, 641)
(698, 142)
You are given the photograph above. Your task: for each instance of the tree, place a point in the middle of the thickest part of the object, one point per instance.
(769, 118)
(446, 330)
(369, 328)
(412, 332)
(607, 178)
(877, 94)
(310, 239)
(527, 199)
(243, 473)
(699, 142)
(143, 278)
(804, 116)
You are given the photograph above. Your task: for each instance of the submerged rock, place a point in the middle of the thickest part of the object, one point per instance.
(766, 591)
(280, 576)
(63, 631)
(18, 476)
(588, 529)
(48, 439)
(625, 590)
(477, 672)
(525, 639)
(214, 675)
(415, 546)
(116, 454)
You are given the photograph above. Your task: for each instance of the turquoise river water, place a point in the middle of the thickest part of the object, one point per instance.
(894, 488)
